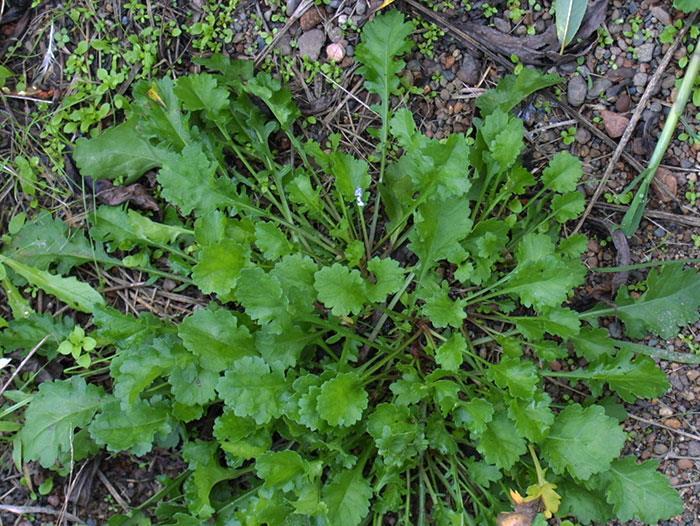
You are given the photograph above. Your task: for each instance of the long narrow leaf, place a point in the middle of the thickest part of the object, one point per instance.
(76, 294)
(569, 15)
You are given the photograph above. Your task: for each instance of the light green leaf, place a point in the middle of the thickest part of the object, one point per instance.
(132, 430)
(340, 289)
(566, 207)
(439, 227)
(442, 310)
(397, 435)
(271, 241)
(241, 437)
(347, 497)
(261, 295)
(127, 228)
(513, 89)
(350, 174)
(206, 473)
(5, 74)
(201, 92)
(569, 15)
(564, 170)
(383, 40)
(215, 337)
(120, 151)
(534, 247)
(687, 6)
(545, 283)
(193, 385)
(557, 322)
(583, 441)
(47, 434)
(630, 378)
(588, 506)
(189, 181)
(483, 474)
(342, 400)
(45, 240)
(639, 491)
(295, 274)
(671, 300)
(135, 368)
(277, 97)
(279, 468)
(518, 376)
(474, 415)
(219, 267)
(593, 343)
(388, 278)
(532, 417)
(501, 443)
(451, 353)
(252, 389)
(76, 294)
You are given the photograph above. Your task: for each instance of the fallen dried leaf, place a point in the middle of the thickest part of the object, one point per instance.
(136, 194)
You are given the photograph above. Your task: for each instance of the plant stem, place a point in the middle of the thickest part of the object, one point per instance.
(630, 223)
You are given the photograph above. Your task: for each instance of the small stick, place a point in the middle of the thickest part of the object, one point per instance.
(113, 491)
(300, 10)
(656, 424)
(22, 364)
(648, 92)
(656, 214)
(24, 510)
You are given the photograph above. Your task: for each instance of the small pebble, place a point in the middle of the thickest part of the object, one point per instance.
(335, 34)
(470, 70)
(310, 43)
(673, 423)
(623, 103)
(645, 52)
(360, 7)
(640, 79)
(665, 411)
(694, 448)
(685, 464)
(501, 25)
(292, 6)
(599, 87)
(661, 15)
(583, 136)
(576, 91)
(335, 52)
(660, 449)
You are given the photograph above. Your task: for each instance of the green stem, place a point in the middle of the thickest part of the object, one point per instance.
(538, 469)
(630, 223)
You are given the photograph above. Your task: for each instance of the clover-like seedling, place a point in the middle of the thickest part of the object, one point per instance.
(75, 344)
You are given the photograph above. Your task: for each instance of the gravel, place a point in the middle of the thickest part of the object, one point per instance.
(310, 43)
(576, 91)
(645, 52)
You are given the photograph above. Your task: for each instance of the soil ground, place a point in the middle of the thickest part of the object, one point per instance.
(603, 84)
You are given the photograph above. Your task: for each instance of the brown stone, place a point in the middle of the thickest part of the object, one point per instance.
(615, 124)
(448, 61)
(685, 464)
(665, 185)
(622, 104)
(673, 423)
(311, 18)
